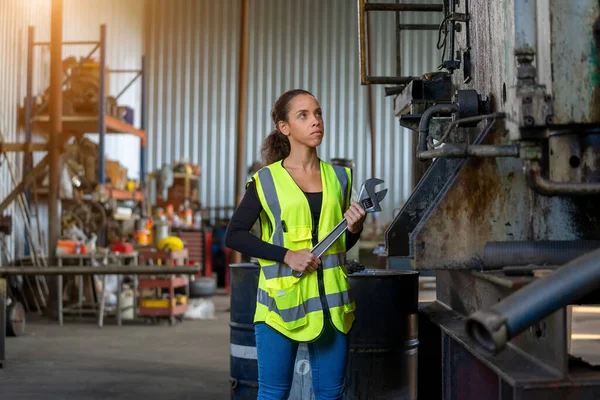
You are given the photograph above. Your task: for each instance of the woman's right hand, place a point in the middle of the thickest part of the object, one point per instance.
(301, 260)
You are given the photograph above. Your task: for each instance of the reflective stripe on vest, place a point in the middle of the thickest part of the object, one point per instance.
(340, 172)
(279, 270)
(311, 305)
(268, 187)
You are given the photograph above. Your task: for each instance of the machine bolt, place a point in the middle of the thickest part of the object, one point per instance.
(549, 120)
(529, 121)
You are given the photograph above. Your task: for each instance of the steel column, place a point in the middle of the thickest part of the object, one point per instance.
(242, 101)
(56, 126)
(27, 156)
(143, 125)
(102, 108)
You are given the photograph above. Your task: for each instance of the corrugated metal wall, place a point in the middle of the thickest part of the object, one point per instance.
(82, 19)
(192, 48)
(292, 45)
(193, 51)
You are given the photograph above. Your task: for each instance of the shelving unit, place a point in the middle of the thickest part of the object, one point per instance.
(75, 125)
(89, 124)
(153, 307)
(80, 124)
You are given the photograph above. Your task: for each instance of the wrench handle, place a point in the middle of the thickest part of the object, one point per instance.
(321, 247)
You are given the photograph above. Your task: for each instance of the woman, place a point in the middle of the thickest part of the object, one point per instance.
(301, 298)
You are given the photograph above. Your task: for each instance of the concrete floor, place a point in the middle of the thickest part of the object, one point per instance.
(80, 361)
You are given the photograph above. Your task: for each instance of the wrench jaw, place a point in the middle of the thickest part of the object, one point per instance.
(368, 198)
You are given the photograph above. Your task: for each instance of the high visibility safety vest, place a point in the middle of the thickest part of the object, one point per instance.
(296, 307)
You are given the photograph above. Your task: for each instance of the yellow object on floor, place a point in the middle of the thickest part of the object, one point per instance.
(163, 303)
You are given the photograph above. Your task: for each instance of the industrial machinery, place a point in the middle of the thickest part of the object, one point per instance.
(506, 213)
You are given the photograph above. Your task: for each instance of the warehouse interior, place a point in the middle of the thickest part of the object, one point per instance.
(128, 133)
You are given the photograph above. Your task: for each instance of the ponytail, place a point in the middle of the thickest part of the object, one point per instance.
(275, 147)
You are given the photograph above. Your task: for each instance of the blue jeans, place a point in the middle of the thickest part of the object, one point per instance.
(276, 359)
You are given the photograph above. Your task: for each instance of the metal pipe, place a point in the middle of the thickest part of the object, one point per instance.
(546, 187)
(464, 150)
(240, 170)
(112, 269)
(85, 42)
(124, 71)
(418, 27)
(131, 82)
(403, 7)
(426, 119)
(28, 157)
(497, 255)
(491, 329)
(391, 80)
(398, 43)
(452, 30)
(362, 46)
(143, 125)
(370, 98)
(56, 126)
(102, 108)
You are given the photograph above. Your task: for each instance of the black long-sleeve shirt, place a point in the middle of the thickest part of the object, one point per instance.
(239, 238)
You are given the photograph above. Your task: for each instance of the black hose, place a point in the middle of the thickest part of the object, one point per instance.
(426, 119)
(553, 252)
(493, 328)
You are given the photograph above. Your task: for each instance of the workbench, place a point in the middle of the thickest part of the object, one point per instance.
(97, 305)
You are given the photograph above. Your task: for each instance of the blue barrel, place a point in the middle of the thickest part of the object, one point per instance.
(243, 365)
(243, 360)
(382, 363)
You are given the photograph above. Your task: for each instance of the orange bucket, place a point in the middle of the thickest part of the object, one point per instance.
(142, 236)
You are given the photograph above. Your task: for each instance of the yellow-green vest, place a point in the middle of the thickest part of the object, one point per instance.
(293, 306)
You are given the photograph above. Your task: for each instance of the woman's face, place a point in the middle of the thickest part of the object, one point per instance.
(305, 122)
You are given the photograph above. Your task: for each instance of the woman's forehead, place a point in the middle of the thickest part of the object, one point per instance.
(304, 102)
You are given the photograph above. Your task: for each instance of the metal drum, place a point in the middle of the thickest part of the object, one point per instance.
(384, 340)
(243, 360)
(243, 365)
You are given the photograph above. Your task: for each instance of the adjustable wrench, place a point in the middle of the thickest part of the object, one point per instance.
(369, 201)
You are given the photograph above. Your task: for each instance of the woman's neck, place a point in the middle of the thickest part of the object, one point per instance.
(304, 158)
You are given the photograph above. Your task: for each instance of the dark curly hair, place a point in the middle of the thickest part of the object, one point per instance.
(277, 146)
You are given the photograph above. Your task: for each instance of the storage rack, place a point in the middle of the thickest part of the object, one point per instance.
(78, 125)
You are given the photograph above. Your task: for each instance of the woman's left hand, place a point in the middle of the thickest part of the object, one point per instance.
(355, 216)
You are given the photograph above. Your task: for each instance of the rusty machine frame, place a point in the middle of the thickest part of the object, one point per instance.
(506, 212)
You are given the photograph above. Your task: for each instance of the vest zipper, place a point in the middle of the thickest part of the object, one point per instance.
(321, 283)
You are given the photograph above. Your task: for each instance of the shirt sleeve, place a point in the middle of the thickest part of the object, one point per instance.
(351, 239)
(238, 236)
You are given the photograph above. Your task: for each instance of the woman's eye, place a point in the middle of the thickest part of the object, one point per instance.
(319, 114)
(302, 115)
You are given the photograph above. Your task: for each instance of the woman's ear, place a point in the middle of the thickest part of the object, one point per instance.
(284, 128)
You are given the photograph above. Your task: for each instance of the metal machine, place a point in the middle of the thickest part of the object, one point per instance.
(506, 214)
